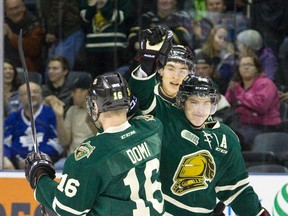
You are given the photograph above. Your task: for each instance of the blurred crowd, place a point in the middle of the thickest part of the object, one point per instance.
(242, 45)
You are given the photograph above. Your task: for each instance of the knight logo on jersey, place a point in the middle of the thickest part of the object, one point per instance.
(83, 150)
(193, 172)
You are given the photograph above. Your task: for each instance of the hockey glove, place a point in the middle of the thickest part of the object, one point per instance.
(155, 44)
(37, 165)
(265, 213)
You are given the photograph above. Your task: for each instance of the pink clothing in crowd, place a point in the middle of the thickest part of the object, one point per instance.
(259, 104)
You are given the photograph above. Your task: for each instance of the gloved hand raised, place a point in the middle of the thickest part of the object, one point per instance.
(37, 165)
(155, 44)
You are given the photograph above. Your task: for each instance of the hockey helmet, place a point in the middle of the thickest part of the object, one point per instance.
(184, 55)
(108, 92)
(197, 86)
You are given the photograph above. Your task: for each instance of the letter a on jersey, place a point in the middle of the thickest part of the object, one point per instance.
(83, 150)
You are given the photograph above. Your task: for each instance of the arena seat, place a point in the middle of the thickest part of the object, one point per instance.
(33, 76)
(276, 142)
(253, 158)
(268, 168)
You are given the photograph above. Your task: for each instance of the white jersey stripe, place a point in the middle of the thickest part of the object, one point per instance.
(186, 207)
(56, 203)
(153, 105)
(228, 201)
(232, 187)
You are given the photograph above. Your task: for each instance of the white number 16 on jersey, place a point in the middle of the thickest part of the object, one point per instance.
(131, 180)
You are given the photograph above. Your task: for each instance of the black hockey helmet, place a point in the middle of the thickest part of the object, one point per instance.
(108, 92)
(197, 86)
(182, 54)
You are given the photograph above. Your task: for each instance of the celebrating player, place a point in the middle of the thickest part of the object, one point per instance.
(201, 160)
(113, 173)
(180, 63)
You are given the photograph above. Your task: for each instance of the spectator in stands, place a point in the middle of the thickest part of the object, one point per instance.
(168, 16)
(269, 17)
(216, 14)
(255, 99)
(76, 124)
(205, 67)
(59, 82)
(17, 18)
(11, 85)
(106, 28)
(64, 32)
(18, 133)
(251, 41)
(221, 52)
(196, 9)
(281, 77)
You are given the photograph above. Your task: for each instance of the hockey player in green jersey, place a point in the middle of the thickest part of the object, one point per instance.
(113, 173)
(201, 160)
(179, 64)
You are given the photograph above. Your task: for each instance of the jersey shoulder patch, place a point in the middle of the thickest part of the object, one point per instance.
(85, 149)
(146, 117)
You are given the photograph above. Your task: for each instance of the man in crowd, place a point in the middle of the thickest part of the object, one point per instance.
(17, 18)
(18, 133)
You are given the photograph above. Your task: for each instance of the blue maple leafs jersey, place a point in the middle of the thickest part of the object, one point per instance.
(18, 134)
(113, 173)
(197, 165)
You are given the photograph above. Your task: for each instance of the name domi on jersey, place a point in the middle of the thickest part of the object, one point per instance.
(136, 153)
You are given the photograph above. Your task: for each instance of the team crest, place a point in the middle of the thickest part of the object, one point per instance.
(83, 150)
(193, 172)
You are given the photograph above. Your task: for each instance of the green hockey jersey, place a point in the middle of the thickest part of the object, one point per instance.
(197, 165)
(113, 173)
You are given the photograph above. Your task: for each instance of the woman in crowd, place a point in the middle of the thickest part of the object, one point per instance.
(11, 85)
(221, 52)
(251, 40)
(255, 98)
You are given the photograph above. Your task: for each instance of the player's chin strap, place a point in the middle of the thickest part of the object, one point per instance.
(97, 125)
(32, 120)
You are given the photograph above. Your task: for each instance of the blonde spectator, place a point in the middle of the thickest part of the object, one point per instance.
(222, 54)
(217, 14)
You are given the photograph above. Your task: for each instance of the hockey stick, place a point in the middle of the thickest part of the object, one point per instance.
(32, 120)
